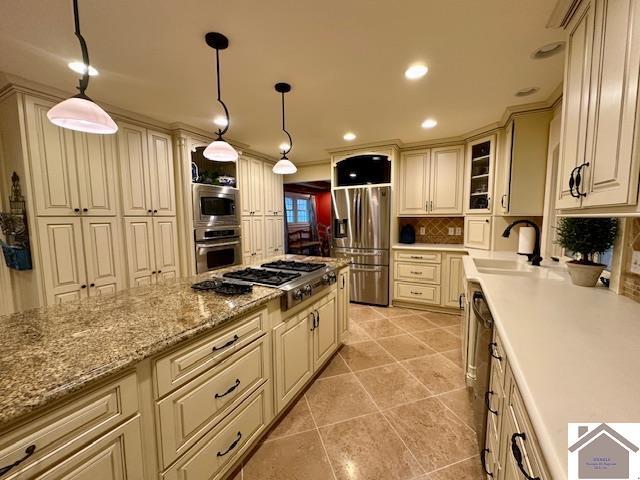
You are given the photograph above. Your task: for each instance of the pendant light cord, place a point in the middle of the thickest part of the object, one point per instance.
(221, 131)
(285, 152)
(84, 81)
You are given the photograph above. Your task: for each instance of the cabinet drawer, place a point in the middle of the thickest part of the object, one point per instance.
(187, 413)
(212, 455)
(180, 366)
(428, 294)
(418, 256)
(424, 273)
(59, 433)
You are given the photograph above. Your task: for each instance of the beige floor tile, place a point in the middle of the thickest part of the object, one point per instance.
(356, 334)
(443, 319)
(433, 434)
(365, 355)
(392, 385)
(336, 366)
(455, 356)
(460, 402)
(298, 457)
(338, 398)
(439, 339)
(454, 330)
(368, 448)
(365, 314)
(437, 373)
(381, 328)
(414, 323)
(393, 312)
(404, 347)
(297, 419)
(469, 469)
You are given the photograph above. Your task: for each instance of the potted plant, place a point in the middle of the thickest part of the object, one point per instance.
(583, 238)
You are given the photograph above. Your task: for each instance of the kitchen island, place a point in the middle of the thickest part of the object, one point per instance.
(114, 367)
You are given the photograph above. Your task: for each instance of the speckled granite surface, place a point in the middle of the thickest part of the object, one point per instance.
(54, 351)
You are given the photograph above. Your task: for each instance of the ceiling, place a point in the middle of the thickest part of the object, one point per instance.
(345, 60)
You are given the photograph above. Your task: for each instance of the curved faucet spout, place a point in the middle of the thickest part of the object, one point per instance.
(534, 257)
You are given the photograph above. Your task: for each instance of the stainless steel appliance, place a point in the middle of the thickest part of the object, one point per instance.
(214, 205)
(361, 221)
(483, 351)
(298, 280)
(217, 247)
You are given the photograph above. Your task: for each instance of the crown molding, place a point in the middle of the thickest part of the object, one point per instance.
(561, 13)
(393, 143)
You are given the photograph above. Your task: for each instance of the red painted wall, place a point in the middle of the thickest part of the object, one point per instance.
(323, 206)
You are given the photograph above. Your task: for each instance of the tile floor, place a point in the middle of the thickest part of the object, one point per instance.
(390, 405)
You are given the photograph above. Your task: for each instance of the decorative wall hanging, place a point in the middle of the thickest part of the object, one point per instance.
(15, 247)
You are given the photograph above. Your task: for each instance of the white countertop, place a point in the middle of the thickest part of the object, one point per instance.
(573, 350)
(442, 247)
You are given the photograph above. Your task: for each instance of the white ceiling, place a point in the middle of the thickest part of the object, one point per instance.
(345, 59)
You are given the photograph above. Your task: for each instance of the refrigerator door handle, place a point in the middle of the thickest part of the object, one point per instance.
(358, 195)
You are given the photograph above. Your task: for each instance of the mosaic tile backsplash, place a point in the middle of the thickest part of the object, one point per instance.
(436, 229)
(631, 281)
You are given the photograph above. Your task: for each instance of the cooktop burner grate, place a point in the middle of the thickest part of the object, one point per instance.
(265, 277)
(293, 265)
(220, 286)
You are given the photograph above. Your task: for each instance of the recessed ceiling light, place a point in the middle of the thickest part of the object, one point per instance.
(429, 123)
(416, 71)
(284, 146)
(80, 68)
(548, 50)
(220, 121)
(525, 92)
(349, 136)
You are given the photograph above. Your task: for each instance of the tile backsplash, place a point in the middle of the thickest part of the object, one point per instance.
(631, 281)
(436, 229)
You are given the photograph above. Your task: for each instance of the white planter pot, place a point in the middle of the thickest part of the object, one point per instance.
(585, 275)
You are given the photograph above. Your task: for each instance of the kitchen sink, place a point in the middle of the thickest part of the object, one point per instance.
(515, 268)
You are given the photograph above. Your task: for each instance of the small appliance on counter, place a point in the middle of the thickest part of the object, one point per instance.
(408, 234)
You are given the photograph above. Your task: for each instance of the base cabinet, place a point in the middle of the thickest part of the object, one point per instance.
(477, 232)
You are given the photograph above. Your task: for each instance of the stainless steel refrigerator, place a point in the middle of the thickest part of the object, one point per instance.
(361, 221)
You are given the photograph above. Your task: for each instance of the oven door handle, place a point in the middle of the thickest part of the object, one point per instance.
(213, 245)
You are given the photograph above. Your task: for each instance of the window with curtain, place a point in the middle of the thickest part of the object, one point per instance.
(298, 209)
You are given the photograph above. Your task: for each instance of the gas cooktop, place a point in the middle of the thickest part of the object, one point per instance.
(293, 265)
(262, 276)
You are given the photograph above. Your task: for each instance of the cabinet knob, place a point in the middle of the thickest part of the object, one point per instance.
(85, 209)
(153, 273)
(149, 211)
(159, 271)
(155, 211)
(77, 210)
(83, 286)
(92, 285)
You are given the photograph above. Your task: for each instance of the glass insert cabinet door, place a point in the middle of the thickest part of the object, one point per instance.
(480, 175)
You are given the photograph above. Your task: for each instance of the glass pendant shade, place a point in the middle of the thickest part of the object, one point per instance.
(284, 167)
(220, 151)
(81, 115)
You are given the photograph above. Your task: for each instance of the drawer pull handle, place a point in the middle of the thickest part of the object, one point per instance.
(517, 454)
(483, 460)
(417, 257)
(231, 447)
(231, 389)
(30, 450)
(492, 352)
(487, 401)
(317, 324)
(228, 344)
(416, 273)
(416, 293)
(313, 321)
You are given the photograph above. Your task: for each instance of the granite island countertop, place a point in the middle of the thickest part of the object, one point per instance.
(50, 352)
(573, 350)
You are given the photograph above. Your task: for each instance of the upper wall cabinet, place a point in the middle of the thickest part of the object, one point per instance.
(525, 164)
(251, 185)
(431, 182)
(479, 184)
(146, 166)
(599, 166)
(273, 191)
(73, 173)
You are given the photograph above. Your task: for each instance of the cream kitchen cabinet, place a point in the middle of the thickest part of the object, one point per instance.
(251, 185)
(72, 173)
(431, 182)
(344, 294)
(479, 171)
(452, 283)
(80, 257)
(325, 331)
(273, 191)
(599, 166)
(152, 249)
(477, 232)
(253, 239)
(146, 170)
(274, 236)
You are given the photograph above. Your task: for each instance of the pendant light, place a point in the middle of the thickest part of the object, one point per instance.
(80, 112)
(219, 150)
(284, 165)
